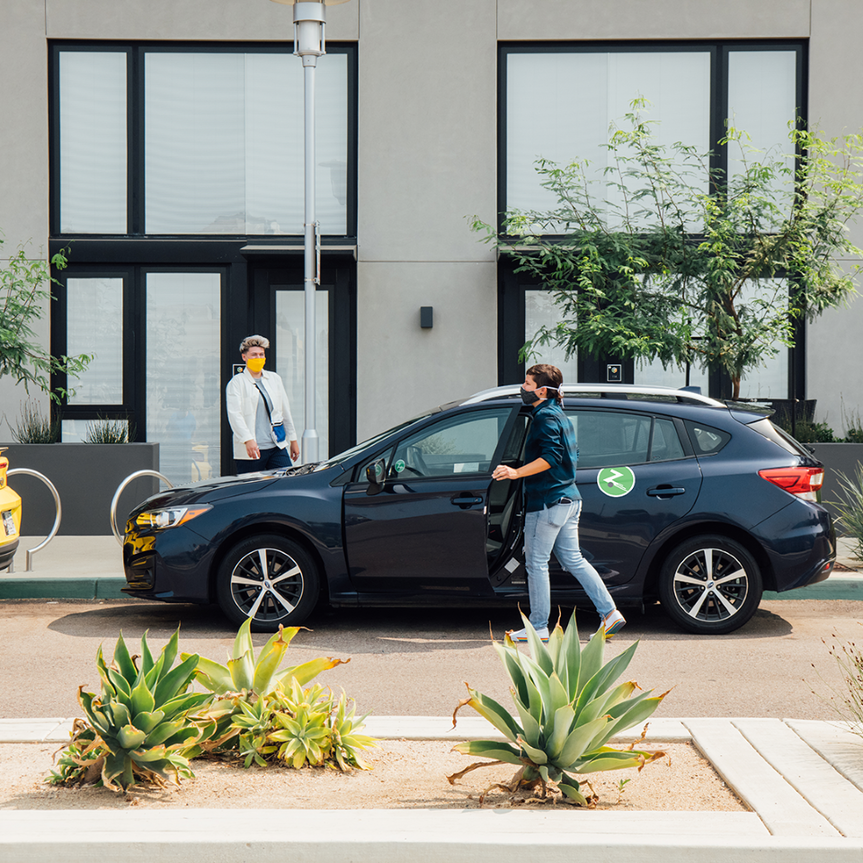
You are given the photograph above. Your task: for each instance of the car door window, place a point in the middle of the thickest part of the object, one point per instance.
(463, 444)
(608, 438)
(613, 438)
(665, 444)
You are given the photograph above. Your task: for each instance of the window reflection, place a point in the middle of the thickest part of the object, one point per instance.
(184, 401)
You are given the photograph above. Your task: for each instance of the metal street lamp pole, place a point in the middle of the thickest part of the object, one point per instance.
(309, 44)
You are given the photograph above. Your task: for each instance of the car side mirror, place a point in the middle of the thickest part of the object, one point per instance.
(376, 474)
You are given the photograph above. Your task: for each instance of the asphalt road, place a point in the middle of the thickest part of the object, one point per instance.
(415, 662)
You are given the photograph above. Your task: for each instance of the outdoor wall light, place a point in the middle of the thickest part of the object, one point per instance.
(426, 317)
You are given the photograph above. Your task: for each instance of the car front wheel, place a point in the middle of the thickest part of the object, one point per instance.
(710, 585)
(269, 579)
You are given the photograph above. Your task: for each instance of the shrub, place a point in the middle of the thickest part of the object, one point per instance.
(35, 427)
(108, 431)
(140, 729)
(568, 708)
(848, 705)
(850, 508)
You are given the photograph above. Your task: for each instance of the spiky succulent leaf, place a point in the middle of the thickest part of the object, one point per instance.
(118, 713)
(212, 675)
(121, 686)
(572, 790)
(605, 677)
(123, 661)
(608, 758)
(268, 663)
(561, 728)
(536, 755)
(307, 671)
(243, 671)
(591, 661)
(177, 680)
(492, 711)
(531, 727)
(490, 749)
(130, 737)
(147, 662)
(142, 699)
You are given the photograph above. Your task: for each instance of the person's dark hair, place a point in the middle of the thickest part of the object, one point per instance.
(547, 376)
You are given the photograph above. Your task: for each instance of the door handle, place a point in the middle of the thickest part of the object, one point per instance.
(665, 491)
(466, 501)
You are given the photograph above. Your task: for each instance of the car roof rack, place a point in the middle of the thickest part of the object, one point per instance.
(607, 391)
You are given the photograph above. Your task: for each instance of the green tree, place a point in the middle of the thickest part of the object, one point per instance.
(673, 261)
(24, 287)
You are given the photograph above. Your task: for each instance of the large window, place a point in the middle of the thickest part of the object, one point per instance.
(562, 103)
(181, 141)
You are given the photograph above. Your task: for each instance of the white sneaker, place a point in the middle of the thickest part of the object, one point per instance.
(521, 634)
(614, 621)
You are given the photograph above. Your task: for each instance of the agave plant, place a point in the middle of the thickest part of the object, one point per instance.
(141, 728)
(313, 730)
(243, 690)
(568, 708)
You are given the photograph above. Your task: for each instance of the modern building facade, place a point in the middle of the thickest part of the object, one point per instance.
(160, 143)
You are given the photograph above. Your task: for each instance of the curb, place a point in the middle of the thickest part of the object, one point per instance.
(803, 781)
(842, 587)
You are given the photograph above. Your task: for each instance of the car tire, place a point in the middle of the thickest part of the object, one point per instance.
(270, 579)
(710, 585)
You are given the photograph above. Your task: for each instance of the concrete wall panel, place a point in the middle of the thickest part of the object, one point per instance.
(652, 19)
(234, 20)
(402, 369)
(427, 128)
(24, 127)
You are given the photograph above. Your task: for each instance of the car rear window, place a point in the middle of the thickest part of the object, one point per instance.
(706, 440)
(778, 436)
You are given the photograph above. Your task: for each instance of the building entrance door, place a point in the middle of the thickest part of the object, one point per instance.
(279, 314)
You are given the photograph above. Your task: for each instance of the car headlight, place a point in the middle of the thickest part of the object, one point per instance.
(171, 516)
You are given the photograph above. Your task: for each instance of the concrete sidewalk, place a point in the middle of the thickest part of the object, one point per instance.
(803, 781)
(91, 567)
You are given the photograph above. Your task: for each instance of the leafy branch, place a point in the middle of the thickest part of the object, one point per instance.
(24, 290)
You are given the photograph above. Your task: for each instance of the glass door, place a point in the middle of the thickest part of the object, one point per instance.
(288, 357)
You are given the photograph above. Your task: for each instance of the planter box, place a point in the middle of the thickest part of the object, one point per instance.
(837, 458)
(86, 477)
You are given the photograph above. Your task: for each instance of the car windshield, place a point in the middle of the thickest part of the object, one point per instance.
(372, 441)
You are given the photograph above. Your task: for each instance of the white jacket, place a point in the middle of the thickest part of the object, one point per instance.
(242, 398)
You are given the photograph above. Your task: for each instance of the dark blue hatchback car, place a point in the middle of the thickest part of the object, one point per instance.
(690, 501)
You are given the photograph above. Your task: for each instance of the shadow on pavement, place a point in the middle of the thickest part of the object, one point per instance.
(379, 630)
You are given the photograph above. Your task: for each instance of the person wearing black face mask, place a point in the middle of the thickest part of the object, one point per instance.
(553, 504)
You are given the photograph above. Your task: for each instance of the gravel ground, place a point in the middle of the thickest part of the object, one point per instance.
(405, 774)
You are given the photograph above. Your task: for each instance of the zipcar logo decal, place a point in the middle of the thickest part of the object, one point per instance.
(616, 481)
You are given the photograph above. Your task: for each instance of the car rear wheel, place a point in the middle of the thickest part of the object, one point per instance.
(269, 579)
(710, 585)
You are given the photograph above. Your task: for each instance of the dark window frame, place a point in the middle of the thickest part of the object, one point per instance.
(135, 108)
(512, 286)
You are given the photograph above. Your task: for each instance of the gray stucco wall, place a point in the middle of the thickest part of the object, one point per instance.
(428, 154)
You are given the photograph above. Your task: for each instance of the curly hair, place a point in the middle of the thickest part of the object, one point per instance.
(254, 342)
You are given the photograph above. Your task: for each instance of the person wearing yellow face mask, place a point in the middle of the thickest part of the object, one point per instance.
(259, 413)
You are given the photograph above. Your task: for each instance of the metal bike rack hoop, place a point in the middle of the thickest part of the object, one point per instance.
(28, 565)
(137, 475)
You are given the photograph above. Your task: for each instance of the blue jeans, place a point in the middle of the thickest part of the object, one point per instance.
(270, 459)
(556, 528)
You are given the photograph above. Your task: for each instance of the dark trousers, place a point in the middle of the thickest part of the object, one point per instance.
(270, 459)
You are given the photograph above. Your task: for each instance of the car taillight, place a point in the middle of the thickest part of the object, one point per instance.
(803, 482)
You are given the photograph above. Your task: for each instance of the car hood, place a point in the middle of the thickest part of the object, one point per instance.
(211, 490)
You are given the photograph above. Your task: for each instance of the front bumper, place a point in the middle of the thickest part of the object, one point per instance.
(7, 552)
(171, 565)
